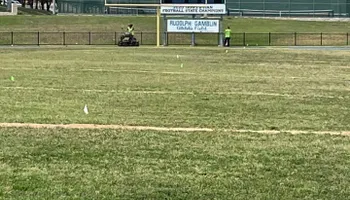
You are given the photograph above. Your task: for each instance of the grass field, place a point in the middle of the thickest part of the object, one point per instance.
(71, 30)
(244, 88)
(255, 89)
(107, 164)
(148, 24)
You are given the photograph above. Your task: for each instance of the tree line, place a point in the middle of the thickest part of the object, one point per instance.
(34, 4)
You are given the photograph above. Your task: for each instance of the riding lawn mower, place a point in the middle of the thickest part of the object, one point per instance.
(128, 40)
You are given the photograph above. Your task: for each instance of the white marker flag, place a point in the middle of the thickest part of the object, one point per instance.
(86, 111)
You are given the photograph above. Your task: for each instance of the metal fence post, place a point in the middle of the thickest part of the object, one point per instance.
(165, 28)
(295, 38)
(321, 39)
(115, 38)
(12, 38)
(221, 38)
(347, 39)
(167, 38)
(244, 39)
(218, 38)
(141, 38)
(269, 38)
(38, 38)
(64, 38)
(89, 38)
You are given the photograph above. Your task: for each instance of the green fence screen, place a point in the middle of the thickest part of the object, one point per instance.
(339, 8)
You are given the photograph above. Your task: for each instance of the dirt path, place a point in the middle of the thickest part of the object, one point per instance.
(175, 129)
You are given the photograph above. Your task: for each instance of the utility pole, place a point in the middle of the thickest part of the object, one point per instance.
(206, 15)
(54, 7)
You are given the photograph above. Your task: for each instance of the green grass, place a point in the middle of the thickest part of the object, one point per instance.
(244, 88)
(104, 28)
(107, 164)
(148, 23)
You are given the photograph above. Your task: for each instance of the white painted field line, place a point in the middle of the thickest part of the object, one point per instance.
(108, 70)
(176, 92)
(209, 74)
(94, 126)
(141, 71)
(178, 73)
(173, 129)
(294, 132)
(96, 90)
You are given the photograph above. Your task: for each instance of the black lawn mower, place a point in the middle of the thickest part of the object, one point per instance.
(128, 40)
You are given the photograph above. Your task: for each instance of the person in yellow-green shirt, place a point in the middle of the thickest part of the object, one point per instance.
(131, 29)
(130, 32)
(227, 37)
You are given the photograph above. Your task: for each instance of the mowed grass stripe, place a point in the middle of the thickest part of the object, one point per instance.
(149, 71)
(292, 96)
(171, 129)
(226, 90)
(174, 110)
(257, 81)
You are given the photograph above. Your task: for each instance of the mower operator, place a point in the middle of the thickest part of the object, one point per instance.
(131, 30)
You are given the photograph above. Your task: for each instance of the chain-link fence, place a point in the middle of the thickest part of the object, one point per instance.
(149, 38)
(282, 8)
